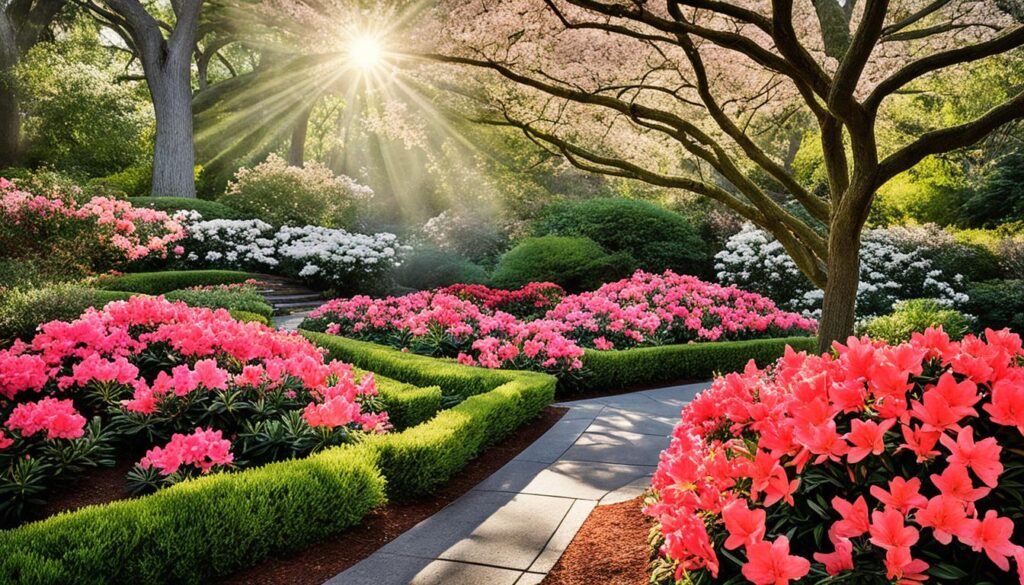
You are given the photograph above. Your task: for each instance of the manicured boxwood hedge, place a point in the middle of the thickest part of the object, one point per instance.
(199, 529)
(248, 316)
(157, 283)
(424, 457)
(610, 370)
(212, 526)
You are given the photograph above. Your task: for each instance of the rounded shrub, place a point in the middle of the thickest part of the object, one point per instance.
(210, 210)
(428, 267)
(575, 264)
(285, 195)
(658, 239)
(997, 304)
(21, 311)
(915, 316)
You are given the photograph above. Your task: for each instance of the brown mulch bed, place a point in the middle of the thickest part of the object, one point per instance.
(96, 486)
(610, 549)
(326, 559)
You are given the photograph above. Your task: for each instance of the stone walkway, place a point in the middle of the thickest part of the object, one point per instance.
(291, 300)
(512, 528)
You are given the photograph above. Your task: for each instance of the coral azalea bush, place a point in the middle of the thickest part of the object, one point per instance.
(875, 464)
(181, 390)
(470, 321)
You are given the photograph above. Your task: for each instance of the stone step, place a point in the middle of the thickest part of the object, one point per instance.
(274, 297)
(298, 304)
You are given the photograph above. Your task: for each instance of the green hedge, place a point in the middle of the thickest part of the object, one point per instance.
(199, 529)
(248, 316)
(208, 209)
(157, 283)
(420, 459)
(407, 405)
(233, 300)
(610, 370)
(209, 527)
(22, 311)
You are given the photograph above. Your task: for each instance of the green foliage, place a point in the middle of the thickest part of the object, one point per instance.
(647, 366)
(475, 234)
(921, 199)
(208, 209)
(999, 197)
(997, 304)
(79, 119)
(948, 251)
(22, 310)
(424, 457)
(912, 316)
(408, 405)
(249, 317)
(429, 267)
(658, 239)
(157, 283)
(285, 195)
(236, 298)
(575, 264)
(35, 272)
(199, 529)
(134, 181)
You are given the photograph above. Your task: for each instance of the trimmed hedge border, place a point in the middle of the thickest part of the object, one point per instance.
(609, 370)
(211, 526)
(158, 283)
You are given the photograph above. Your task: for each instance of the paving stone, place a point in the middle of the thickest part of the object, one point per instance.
(531, 579)
(289, 322)
(637, 487)
(388, 569)
(552, 444)
(644, 424)
(500, 529)
(513, 476)
(617, 447)
(677, 396)
(583, 480)
(563, 536)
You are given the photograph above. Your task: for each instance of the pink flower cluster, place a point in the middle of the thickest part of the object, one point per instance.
(437, 323)
(202, 449)
(653, 309)
(532, 298)
(647, 309)
(110, 230)
(902, 449)
(117, 346)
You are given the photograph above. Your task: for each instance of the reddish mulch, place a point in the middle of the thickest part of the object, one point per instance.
(326, 559)
(610, 549)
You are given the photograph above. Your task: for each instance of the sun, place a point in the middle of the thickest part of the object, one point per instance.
(365, 52)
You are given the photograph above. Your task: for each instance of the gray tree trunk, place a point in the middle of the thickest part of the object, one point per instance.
(173, 152)
(167, 65)
(297, 147)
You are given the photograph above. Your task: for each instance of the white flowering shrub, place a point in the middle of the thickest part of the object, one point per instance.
(755, 261)
(335, 257)
(475, 235)
(246, 244)
(324, 256)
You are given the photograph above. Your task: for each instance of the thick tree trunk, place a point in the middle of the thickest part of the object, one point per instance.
(10, 122)
(838, 310)
(173, 152)
(297, 148)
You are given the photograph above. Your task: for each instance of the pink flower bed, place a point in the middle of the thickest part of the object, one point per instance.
(659, 309)
(100, 233)
(534, 298)
(648, 309)
(879, 464)
(441, 324)
(196, 388)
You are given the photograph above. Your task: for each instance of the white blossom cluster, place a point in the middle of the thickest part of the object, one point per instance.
(331, 256)
(753, 260)
(325, 251)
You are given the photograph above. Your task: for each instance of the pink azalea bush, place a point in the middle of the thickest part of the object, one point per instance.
(444, 325)
(658, 309)
(467, 321)
(531, 300)
(875, 464)
(193, 388)
(97, 234)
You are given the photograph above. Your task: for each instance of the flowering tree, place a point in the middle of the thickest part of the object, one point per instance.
(686, 94)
